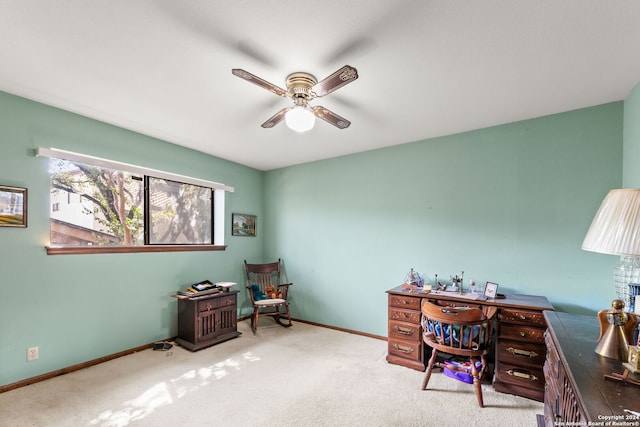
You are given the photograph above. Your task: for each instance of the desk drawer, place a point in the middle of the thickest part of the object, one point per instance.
(521, 332)
(406, 349)
(524, 377)
(411, 303)
(404, 330)
(519, 353)
(525, 317)
(400, 314)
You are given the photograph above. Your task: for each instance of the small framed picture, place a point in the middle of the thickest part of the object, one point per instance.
(13, 206)
(490, 290)
(243, 225)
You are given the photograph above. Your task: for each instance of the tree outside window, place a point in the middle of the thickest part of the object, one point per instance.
(107, 207)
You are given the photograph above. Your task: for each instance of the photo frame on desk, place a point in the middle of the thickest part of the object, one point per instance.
(490, 290)
(13, 206)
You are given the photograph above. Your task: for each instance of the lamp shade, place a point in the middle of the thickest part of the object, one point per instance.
(615, 229)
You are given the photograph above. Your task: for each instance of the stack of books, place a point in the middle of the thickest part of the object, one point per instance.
(201, 288)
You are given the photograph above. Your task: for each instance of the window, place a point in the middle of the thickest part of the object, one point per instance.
(179, 213)
(102, 204)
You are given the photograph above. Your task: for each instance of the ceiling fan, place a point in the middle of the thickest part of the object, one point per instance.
(302, 88)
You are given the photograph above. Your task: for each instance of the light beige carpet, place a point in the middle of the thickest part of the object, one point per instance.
(300, 376)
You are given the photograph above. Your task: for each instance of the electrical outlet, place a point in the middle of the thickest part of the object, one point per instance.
(32, 354)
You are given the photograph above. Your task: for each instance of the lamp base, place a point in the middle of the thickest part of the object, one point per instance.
(627, 271)
(613, 344)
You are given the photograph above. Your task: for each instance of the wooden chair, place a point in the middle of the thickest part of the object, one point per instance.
(259, 278)
(465, 332)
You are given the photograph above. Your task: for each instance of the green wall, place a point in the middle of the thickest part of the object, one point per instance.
(631, 171)
(80, 307)
(509, 204)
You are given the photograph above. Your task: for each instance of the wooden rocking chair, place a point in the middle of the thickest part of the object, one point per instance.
(268, 295)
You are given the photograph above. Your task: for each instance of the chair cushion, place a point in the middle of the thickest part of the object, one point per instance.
(270, 301)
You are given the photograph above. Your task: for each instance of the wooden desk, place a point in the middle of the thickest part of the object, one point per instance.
(577, 393)
(519, 346)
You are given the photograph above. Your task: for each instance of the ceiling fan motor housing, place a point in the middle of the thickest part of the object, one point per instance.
(299, 86)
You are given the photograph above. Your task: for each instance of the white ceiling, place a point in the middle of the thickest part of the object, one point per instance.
(427, 67)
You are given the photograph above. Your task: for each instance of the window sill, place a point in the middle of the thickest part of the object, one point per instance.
(77, 250)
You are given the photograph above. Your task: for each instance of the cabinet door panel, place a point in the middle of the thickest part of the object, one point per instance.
(207, 326)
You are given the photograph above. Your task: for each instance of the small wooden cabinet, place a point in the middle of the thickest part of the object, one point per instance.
(519, 351)
(207, 320)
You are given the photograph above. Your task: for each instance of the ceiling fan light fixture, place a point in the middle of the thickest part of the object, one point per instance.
(301, 89)
(300, 118)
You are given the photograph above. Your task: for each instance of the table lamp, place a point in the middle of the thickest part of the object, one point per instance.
(615, 230)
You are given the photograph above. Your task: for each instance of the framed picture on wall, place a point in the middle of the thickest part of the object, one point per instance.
(13, 206)
(243, 225)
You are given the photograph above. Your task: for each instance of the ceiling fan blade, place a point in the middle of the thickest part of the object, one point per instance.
(331, 117)
(258, 81)
(276, 118)
(335, 81)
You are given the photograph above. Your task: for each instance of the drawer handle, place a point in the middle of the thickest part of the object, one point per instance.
(405, 331)
(404, 301)
(524, 353)
(208, 307)
(520, 374)
(403, 349)
(522, 317)
(523, 334)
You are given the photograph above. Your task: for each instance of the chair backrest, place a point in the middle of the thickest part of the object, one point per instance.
(458, 330)
(263, 275)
